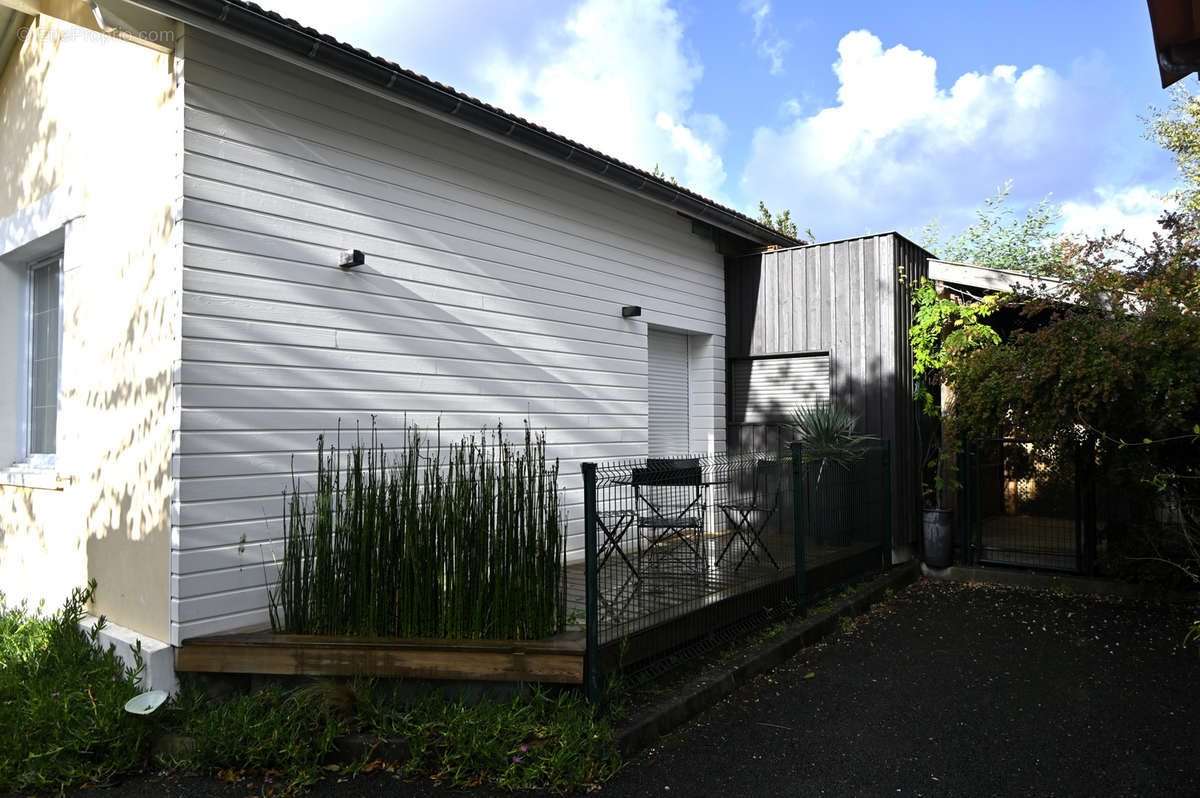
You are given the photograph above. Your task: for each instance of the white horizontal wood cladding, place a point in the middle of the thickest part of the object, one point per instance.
(491, 293)
(767, 390)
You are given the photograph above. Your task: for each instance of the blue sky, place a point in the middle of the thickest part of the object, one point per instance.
(858, 117)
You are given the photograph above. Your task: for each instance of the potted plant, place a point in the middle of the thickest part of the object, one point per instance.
(944, 328)
(937, 518)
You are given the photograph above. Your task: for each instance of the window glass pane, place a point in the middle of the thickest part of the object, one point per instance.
(45, 386)
(45, 281)
(43, 367)
(40, 285)
(43, 344)
(44, 431)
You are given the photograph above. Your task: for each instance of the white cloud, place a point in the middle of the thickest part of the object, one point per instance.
(791, 107)
(616, 75)
(897, 150)
(758, 12)
(441, 40)
(773, 50)
(771, 45)
(1134, 211)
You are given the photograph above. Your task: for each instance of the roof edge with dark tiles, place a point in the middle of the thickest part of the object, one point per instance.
(288, 34)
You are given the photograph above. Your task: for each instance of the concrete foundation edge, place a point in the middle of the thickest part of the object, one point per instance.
(158, 657)
(1041, 580)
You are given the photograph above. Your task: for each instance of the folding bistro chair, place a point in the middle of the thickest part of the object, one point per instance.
(670, 517)
(621, 587)
(748, 519)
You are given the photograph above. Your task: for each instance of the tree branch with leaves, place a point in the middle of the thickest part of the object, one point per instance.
(782, 223)
(1000, 238)
(945, 328)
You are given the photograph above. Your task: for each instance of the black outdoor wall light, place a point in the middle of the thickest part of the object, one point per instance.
(349, 258)
(629, 311)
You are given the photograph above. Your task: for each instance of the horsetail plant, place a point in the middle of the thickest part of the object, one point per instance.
(460, 541)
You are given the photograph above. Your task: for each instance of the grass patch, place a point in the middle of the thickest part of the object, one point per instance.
(555, 743)
(276, 733)
(62, 724)
(541, 741)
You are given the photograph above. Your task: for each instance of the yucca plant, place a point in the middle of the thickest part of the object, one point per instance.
(826, 433)
(827, 438)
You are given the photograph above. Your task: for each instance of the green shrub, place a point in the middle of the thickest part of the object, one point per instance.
(461, 541)
(62, 718)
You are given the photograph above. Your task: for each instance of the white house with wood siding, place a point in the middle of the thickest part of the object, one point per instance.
(181, 179)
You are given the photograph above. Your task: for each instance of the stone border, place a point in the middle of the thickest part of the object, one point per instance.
(1042, 580)
(711, 687)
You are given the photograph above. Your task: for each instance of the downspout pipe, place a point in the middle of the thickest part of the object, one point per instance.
(1180, 58)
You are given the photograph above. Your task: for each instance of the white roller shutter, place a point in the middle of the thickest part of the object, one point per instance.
(669, 421)
(766, 390)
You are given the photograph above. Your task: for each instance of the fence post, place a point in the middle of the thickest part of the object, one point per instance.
(964, 500)
(1092, 512)
(886, 471)
(798, 518)
(591, 675)
(976, 501)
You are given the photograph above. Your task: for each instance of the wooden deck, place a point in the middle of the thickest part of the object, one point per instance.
(716, 580)
(558, 660)
(721, 592)
(713, 596)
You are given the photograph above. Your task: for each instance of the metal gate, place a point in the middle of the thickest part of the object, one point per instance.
(1027, 504)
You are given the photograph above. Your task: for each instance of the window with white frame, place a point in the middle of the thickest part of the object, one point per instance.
(43, 334)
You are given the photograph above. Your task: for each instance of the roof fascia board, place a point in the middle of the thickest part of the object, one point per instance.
(129, 23)
(969, 275)
(864, 237)
(482, 123)
(981, 277)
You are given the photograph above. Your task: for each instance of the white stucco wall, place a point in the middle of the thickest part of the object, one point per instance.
(90, 135)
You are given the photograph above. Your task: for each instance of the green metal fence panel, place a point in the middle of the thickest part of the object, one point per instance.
(681, 550)
(885, 473)
(799, 505)
(1028, 505)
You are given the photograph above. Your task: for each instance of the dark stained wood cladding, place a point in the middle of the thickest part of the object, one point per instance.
(913, 262)
(844, 298)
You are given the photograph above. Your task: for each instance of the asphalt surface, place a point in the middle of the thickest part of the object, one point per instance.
(948, 689)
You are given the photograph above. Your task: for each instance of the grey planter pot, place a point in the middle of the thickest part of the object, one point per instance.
(937, 529)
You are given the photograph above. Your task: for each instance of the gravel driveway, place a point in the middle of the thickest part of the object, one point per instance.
(948, 689)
